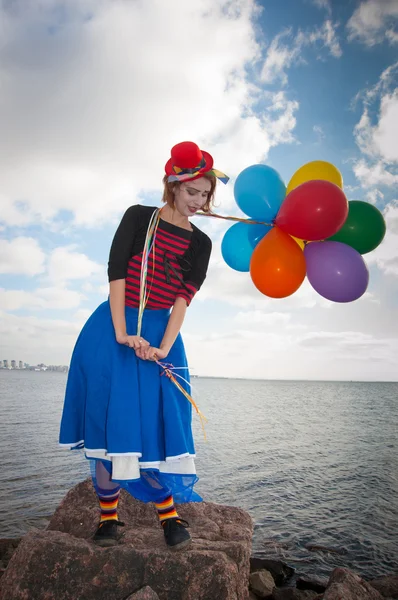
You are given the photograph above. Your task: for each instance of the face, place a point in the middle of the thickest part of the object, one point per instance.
(191, 196)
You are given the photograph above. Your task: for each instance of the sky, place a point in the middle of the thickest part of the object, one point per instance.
(94, 93)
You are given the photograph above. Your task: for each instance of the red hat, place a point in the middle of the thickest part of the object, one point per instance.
(188, 162)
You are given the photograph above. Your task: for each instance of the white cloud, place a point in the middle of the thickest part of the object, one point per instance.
(301, 355)
(103, 289)
(21, 256)
(91, 106)
(392, 36)
(64, 265)
(376, 134)
(374, 196)
(15, 212)
(324, 37)
(385, 256)
(319, 133)
(374, 174)
(258, 317)
(34, 339)
(374, 21)
(324, 4)
(380, 140)
(280, 57)
(385, 135)
(43, 298)
(286, 50)
(82, 315)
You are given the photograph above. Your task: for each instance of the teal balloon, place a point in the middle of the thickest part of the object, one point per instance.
(239, 242)
(259, 192)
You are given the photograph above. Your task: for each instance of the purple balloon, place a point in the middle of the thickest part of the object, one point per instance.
(336, 271)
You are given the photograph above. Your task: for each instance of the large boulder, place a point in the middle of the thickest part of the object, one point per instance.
(346, 584)
(387, 586)
(62, 562)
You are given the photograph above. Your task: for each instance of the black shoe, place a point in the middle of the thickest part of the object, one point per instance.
(175, 533)
(107, 534)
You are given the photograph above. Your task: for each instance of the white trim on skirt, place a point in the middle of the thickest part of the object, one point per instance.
(127, 466)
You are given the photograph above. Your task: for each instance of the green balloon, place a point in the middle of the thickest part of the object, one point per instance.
(364, 228)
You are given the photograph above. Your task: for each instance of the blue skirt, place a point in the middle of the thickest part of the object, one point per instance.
(122, 410)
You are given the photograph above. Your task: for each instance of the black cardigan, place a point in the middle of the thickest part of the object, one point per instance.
(129, 241)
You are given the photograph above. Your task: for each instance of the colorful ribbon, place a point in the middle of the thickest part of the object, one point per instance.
(238, 219)
(168, 371)
(187, 176)
(148, 246)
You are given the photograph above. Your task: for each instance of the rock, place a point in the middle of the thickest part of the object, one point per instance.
(327, 549)
(262, 583)
(386, 586)
(146, 593)
(7, 549)
(312, 583)
(62, 562)
(278, 569)
(293, 594)
(345, 584)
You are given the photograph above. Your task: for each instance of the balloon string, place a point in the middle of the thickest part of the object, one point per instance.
(238, 219)
(167, 370)
(149, 246)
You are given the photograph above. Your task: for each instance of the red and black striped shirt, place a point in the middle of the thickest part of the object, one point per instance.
(177, 269)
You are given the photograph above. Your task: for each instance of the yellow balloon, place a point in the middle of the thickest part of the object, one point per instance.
(317, 169)
(299, 242)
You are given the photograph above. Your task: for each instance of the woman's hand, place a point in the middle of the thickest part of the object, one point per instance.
(132, 341)
(151, 353)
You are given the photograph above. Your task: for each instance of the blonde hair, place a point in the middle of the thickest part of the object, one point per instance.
(169, 189)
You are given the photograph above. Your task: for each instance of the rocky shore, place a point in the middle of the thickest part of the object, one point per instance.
(61, 562)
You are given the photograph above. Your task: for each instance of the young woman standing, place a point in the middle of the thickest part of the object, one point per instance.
(133, 423)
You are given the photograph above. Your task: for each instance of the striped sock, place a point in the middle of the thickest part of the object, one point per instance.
(108, 505)
(166, 509)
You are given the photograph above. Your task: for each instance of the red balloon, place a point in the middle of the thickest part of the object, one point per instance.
(313, 211)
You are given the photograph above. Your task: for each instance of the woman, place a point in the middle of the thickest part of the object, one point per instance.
(133, 423)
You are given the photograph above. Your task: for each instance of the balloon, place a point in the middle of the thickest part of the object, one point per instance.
(277, 267)
(301, 243)
(364, 228)
(336, 271)
(239, 242)
(313, 211)
(259, 192)
(257, 232)
(317, 169)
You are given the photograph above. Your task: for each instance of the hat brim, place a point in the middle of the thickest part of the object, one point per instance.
(208, 167)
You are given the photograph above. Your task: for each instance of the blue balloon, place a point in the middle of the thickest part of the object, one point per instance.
(256, 233)
(259, 192)
(239, 242)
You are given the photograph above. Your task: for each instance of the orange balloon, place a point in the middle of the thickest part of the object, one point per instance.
(277, 266)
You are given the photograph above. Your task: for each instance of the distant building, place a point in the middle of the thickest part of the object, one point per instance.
(5, 364)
